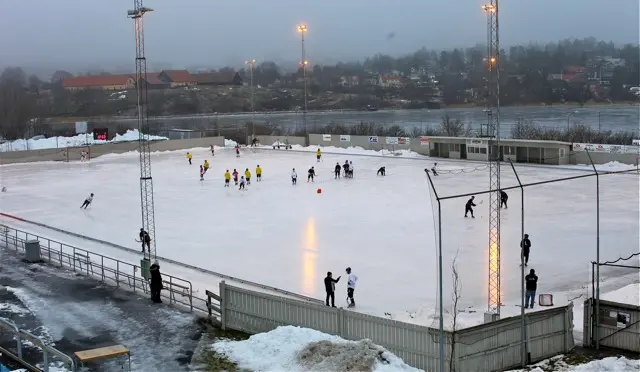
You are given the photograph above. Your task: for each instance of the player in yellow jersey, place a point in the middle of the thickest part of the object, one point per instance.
(258, 173)
(227, 178)
(247, 176)
(189, 157)
(318, 155)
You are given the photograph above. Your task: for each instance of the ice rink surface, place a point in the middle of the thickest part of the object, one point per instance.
(383, 227)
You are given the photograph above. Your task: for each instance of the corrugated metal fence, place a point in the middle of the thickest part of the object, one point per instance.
(487, 347)
(619, 325)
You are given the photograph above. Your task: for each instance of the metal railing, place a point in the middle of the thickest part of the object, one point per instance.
(47, 351)
(106, 269)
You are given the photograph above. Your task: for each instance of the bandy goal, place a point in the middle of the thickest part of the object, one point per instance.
(78, 153)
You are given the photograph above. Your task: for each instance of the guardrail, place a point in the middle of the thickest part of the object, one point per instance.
(106, 269)
(47, 351)
(167, 260)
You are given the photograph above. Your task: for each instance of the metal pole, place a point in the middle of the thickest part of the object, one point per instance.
(599, 122)
(596, 331)
(304, 78)
(523, 326)
(440, 285)
(253, 110)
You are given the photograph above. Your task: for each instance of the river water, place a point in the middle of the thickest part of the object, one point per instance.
(605, 117)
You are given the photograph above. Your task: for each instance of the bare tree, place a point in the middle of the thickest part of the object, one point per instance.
(16, 105)
(455, 297)
(452, 127)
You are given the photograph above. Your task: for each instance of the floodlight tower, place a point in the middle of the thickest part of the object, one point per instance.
(493, 121)
(303, 29)
(252, 66)
(146, 182)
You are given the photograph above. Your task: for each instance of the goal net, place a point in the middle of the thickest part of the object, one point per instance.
(78, 153)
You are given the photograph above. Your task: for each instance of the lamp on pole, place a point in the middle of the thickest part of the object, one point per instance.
(303, 29)
(252, 64)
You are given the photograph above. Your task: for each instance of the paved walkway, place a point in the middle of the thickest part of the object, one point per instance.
(78, 313)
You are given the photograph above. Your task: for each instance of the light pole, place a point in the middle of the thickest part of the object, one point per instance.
(302, 29)
(252, 64)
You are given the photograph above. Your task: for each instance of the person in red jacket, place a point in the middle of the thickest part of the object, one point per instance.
(235, 176)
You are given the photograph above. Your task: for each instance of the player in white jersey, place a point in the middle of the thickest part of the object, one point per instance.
(87, 202)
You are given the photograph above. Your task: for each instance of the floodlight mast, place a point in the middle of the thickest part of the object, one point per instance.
(146, 181)
(303, 29)
(493, 121)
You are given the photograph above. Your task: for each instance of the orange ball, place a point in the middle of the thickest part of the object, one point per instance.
(319, 191)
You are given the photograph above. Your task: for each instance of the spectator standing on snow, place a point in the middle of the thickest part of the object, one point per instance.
(156, 282)
(330, 288)
(531, 281)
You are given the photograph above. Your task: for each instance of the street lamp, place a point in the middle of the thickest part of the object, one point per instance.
(252, 64)
(303, 62)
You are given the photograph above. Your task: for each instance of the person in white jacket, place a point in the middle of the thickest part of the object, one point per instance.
(352, 279)
(294, 177)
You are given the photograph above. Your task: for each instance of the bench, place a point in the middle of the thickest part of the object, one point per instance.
(107, 352)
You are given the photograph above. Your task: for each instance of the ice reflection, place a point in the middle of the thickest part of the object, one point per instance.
(309, 259)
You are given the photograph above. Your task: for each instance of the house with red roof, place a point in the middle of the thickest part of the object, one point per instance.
(104, 82)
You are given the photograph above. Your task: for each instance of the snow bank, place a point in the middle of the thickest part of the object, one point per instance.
(612, 364)
(229, 143)
(300, 349)
(79, 140)
(53, 367)
(355, 151)
(629, 294)
(611, 166)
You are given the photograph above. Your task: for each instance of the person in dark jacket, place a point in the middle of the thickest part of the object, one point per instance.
(145, 239)
(468, 208)
(156, 282)
(503, 199)
(381, 171)
(330, 288)
(337, 171)
(531, 282)
(525, 244)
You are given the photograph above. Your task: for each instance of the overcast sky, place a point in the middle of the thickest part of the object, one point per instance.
(72, 34)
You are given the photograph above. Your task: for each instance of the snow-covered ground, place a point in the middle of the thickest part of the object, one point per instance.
(301, 349)
(383, 227)
(611, 364)
(62, 142)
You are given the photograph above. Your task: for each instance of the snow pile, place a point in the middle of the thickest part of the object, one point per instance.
(229, 143)
(53, 367)
(611, 364)
(629, 294)
(62, 142)
(611, 166)
(293, 349)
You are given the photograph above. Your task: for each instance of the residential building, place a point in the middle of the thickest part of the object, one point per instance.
(154, 82)
(177, 78)
(393, 81)
(218, 78)
(104, 82)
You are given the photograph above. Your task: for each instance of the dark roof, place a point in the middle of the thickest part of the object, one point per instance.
(215, 77)
(179, 76)
(153, 78)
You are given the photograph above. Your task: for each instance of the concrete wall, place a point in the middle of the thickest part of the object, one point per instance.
(73, 154)
(270, 140)
(603, 158)
(363, 142)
